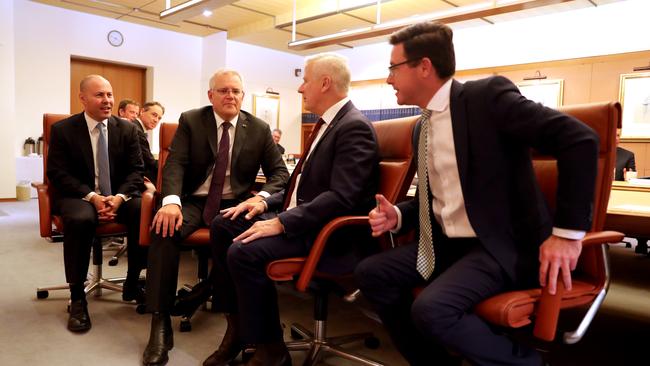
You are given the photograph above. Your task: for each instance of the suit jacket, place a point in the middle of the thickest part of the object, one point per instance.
(624, 160)
(194, 149)
(150, 163)
(494, 128)
(340, 177)
(70, 163)
(280, 148)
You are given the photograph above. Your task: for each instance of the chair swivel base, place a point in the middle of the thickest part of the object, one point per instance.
(93, 285)
(317, 344)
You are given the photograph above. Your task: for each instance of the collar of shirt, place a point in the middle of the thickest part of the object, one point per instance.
(220, 120)
(92, 124)
(440, 100)
(331, 112)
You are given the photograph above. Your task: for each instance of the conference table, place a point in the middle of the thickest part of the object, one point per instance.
(628, 210)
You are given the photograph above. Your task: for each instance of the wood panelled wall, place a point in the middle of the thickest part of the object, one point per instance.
(586, 80)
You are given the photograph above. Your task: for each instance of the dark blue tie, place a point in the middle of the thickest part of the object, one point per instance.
(103, 165)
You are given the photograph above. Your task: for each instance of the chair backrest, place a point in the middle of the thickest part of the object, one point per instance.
(396, 167)
(604, 118)
(48, 120)
(166, 136)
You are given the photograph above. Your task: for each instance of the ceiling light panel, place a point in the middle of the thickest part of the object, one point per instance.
(229, 16)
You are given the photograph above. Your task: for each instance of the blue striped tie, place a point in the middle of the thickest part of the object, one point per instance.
(103, 165)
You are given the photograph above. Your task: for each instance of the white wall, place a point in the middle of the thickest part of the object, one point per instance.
(606, 29)
(7, 101)
(262, 68)
(214, 58)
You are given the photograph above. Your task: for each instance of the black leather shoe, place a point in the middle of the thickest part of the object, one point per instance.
(133, 291)
(270, 354)
(79, 320)
(229, 347)
(187, 304)
(161, 340)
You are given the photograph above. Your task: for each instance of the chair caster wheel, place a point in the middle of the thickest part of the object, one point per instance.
(371, 342)
(186, 326)
(295, 335)
(141, 309)
(113, 262)
(43, 294)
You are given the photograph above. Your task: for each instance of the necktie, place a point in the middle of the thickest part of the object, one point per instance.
(298, 168)
(426, 260)
(218, 176)
(103, 166)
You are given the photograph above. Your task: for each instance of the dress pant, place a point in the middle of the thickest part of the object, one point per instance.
(80, 221)
(164, 255)
(441, 317)
(240, 281)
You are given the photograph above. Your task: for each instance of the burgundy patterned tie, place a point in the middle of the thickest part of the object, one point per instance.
(298, 169)
(218, 176)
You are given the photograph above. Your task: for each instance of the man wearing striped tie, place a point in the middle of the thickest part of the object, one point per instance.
(483, 227)
(95, 167)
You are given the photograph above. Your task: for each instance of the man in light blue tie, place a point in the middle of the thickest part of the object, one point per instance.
(95, 168)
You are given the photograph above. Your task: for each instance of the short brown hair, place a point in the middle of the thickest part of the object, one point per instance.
(126, 102)
(432, 40)
(148, 105)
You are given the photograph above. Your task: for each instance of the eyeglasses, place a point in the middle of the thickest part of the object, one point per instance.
(391, 68)
(226, 91)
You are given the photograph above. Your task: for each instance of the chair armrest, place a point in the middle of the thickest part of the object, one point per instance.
(44, 209)
(319, 245)
(147, 207)
(548, 310)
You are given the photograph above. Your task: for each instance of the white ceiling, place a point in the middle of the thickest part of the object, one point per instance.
(268, 23)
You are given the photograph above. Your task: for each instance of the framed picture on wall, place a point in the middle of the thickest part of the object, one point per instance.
(634, 95)
(549, 92)
(267, 108)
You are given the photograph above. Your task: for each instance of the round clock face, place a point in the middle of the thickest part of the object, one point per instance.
(115, 38)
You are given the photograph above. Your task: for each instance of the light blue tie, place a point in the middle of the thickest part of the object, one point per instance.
(103, 166)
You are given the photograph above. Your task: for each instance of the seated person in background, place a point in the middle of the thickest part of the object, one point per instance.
(150, 115)
(340, 174)
(482, 221)
(215, 155)
(624, 159)
(95, 168)
(277, 135)
(128, 109)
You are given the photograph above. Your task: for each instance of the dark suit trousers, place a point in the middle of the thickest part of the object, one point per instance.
(164, 255)
(441, 315)
(240, 280)
(80, 221)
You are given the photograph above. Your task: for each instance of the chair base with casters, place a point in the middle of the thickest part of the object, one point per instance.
(117, 245)
(318, 344)
(95, 282)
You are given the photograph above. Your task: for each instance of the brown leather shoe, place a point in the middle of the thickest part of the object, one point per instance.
(161, 340)
(229, 347)
(270, 354)
(79, 320)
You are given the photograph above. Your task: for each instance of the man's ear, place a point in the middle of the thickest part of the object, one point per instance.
(426, 68)
(326, 83)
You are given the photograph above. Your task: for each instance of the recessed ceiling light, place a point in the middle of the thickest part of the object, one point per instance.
(207, 13)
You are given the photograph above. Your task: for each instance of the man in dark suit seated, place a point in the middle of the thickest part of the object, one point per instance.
(95, 169)
(215, 156)
(337, 175)
(149, 117)
(624, 160)
(128, 109)
(277, 135)
(483, 226)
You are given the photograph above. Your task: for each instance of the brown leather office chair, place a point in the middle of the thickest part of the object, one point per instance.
(516, 309)
(51, 226)
(396, 173)
(200, 239)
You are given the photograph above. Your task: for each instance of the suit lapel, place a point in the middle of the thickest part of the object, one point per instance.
(240, 136)
(459, 127)
(85, 146)
(210, 125)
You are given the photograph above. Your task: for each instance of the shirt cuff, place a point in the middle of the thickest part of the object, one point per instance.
(569, 234)
(172, 199)
(123, 196)
(264, 194)
(398, 227)
(266, 206)
(89, 196)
